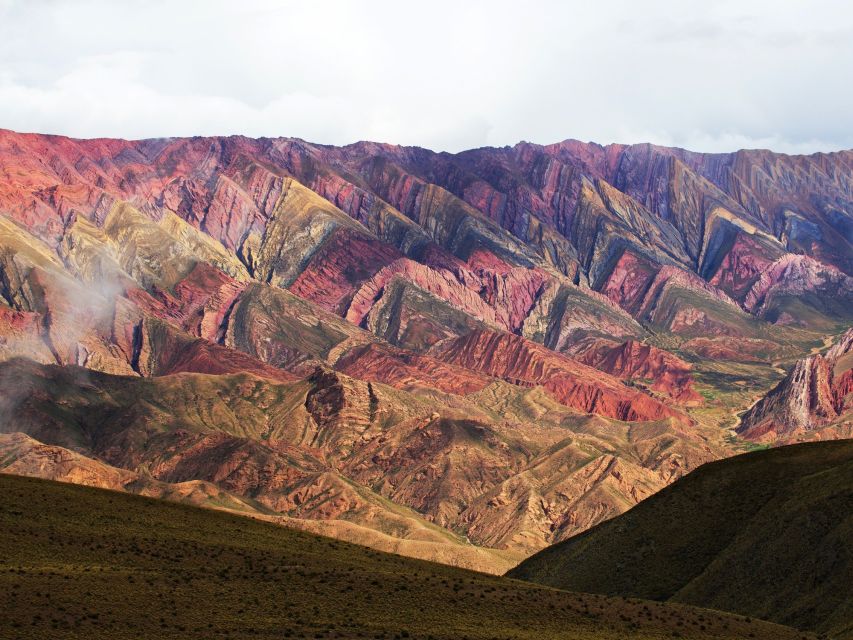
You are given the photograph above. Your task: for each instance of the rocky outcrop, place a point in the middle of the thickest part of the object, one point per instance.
(645, 364)
(519, 361)
(802, 402)
(811, 401)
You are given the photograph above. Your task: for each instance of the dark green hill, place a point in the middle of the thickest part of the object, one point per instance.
(768, 534)
(77, 562)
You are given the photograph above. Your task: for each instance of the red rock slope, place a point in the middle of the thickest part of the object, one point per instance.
(813, 401)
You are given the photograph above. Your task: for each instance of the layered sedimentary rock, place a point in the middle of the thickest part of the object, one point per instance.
(792, 278)
(519, 361)
(572, 207)
(812, 401)
(403, 347)
(366, 458)
(661, 370)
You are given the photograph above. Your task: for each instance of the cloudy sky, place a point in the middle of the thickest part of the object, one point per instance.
(449, 75)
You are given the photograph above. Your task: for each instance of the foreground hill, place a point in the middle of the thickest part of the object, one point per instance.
(83, 562)
(768, 534)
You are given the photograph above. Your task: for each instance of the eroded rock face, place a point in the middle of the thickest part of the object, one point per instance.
(521, 362)
(662, 371)
(811, 401)
(630, 281)
(402, 370)
(338, 269)
(572, 207)
(793, 276)
(742, 266)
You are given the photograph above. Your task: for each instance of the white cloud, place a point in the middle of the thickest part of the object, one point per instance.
(447, 75)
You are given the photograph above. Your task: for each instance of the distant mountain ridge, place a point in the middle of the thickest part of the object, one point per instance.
(510, 344)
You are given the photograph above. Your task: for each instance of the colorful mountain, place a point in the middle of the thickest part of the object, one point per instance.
(813, 401)
(462, 357)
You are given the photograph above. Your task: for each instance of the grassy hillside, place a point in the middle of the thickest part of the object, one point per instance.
(80, 562)
(768, 534)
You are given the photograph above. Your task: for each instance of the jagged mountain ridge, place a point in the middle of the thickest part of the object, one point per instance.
(480, 287)
(736, 210)
(812, 401)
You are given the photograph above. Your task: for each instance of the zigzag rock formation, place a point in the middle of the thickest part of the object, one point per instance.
(463, 357)
(812, 401)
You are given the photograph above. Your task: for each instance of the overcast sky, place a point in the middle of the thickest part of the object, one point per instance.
(710, 76)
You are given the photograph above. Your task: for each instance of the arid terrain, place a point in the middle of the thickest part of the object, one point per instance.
(456, 357)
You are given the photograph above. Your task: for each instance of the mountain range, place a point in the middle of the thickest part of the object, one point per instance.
(457, 357)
